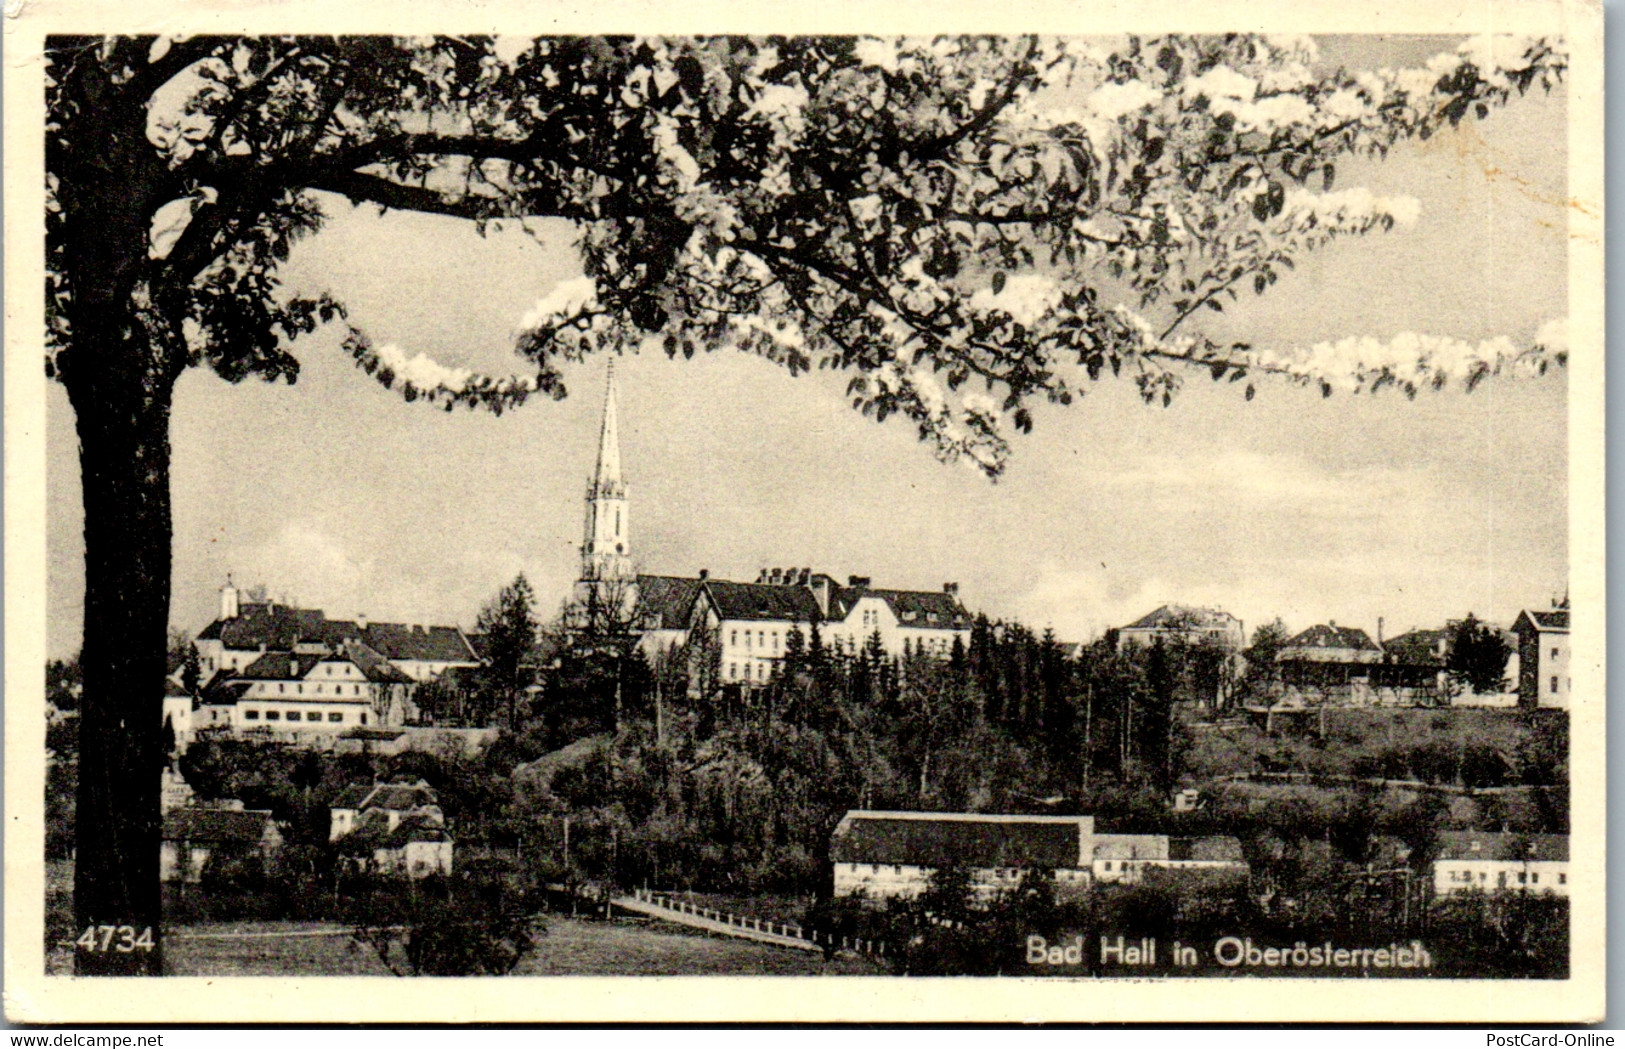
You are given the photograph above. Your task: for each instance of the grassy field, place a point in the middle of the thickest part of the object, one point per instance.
(570, 948)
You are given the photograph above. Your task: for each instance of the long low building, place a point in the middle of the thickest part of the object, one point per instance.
(1477, 861)
(887, 855)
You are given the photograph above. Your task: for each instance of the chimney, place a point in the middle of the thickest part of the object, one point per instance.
(228, 600)
(951, 589)
(1379, 631)
(806, 574)
(773, 576)
(361, 620)
(761, 575)
(858, 582)
(705, 573)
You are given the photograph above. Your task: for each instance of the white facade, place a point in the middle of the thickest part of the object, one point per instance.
(872, 614)
(1467, 875)
(886, 881)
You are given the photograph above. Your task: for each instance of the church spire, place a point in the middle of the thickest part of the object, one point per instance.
(606, 547)
(609, 439)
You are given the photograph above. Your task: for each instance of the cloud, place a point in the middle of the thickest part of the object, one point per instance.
(1278, 483)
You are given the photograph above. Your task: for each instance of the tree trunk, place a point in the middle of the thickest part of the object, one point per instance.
(122, 416)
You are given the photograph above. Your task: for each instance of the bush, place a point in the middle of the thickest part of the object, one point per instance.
(456, 926)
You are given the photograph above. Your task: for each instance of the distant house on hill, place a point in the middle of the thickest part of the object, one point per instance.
(882, 855)
(1543, 657)
(1498, 862)
(193, 837)
(1329, 662)
(1184, 623)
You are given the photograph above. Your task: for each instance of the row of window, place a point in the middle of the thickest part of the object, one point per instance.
(1522, 878)
(764, 639)
(299, 690)
(335, 717)
(735, 668)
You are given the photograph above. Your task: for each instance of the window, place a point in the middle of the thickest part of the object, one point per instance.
(731, 673)
(299, 689)
(1523, 878)
(733, 637)
(1554, 653)
(251, 715)
(1534, 879)
(1562, 879)
(363, 718)
(280, 689)
(747, 639)
(1554, 684)
(293, 715)
(273, 715)
(761, 638)
(335, 717)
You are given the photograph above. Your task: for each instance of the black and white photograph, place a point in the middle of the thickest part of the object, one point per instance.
(1092, 505)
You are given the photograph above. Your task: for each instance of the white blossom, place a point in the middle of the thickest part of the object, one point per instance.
(1112, 100)
(566, 299)
(1025, 297)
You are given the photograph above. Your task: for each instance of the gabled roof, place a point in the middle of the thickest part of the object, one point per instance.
(761, 601)
(373, 666)
(1554, 619)
(1418, 647)
(398, 641)
(1183, 617)
(375, 833)
(930, 609)
(1480, 845)
(664, 601)
(1329, 641)
(351, 797)
(400, 797)
(278, 666)
(215, 825)
(271, 625)
(932, 839)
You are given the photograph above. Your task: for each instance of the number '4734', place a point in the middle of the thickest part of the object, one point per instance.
(121, 938)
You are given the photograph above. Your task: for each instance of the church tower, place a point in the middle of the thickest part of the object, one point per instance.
(606, 547)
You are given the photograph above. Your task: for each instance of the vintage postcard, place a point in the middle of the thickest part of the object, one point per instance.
(728, 512)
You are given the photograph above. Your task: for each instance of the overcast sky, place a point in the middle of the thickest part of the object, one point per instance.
(338, 495)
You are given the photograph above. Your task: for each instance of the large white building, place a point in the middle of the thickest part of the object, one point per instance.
(885, 855)
(751, 623)
(1543, 657)
(289, 673)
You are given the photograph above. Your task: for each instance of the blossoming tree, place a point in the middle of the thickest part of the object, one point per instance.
(961, 224)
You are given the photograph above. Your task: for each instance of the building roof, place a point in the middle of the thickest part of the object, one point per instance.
(373, 666)
(665, 601)
(351, 796)
(937, 839)
(929, 609)
(279, 666)
(1553, 619)
(284, 628)
(762, 601)
(1329, 643)
(377, 735)
(1184, 617)
(216, 825)
(1482, 845)
(398, 641)
(1131, 847)
(1418, 647)
(377, 834)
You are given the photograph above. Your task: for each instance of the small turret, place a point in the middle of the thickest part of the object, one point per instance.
(228, 600)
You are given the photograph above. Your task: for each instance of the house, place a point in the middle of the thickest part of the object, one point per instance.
(1132, 859)
(416, 847)
(885, 855)
(396, 802)
(193, 837)
(177, 711)
(1330, 664)
(1184, 623)
(293, 695)
(1498, 862)
(1543, 657)
(395, 828)
(247, 630)
(751, 623)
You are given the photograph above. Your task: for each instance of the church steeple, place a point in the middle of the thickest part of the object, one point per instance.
(606, 548)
